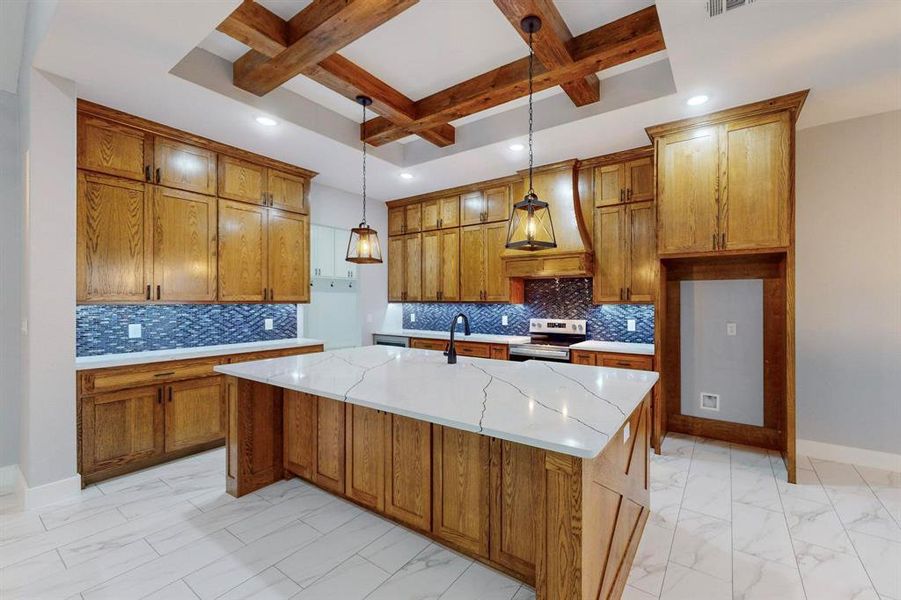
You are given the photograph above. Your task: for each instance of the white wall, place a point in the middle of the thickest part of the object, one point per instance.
(336, 208)
(47, 125)
(10, 277)
(716, 363)
(849, 283)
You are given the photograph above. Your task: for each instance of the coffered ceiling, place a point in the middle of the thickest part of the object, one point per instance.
(166, 61)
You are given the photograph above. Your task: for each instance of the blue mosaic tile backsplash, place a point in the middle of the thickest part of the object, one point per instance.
(103, 328)
(544, 298)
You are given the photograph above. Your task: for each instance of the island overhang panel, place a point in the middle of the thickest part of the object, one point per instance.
(537, 469)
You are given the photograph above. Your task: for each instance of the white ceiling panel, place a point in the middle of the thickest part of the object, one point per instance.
(585, 15)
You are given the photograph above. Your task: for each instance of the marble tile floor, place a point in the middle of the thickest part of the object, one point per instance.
(723, 525)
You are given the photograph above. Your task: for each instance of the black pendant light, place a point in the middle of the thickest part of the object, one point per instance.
(363, 246)
(530, 226)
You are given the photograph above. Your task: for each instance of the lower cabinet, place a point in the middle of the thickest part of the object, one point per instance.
(195, 413)
(476, 349)
(365, 455)
(120, 428)
(314, 439)
(408, 471)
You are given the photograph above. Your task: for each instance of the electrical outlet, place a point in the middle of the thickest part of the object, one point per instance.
(731, 328)
(134, 330)
(268, 324)
(412, 317)
(504, 320)
(710, 401)
(630, 324)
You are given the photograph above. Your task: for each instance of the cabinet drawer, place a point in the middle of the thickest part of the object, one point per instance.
(623, 361)
(273, 354)
(473, 349)
(429, 344)
(127, 377)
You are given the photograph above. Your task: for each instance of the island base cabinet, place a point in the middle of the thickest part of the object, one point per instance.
(408, 471)
(365, 455)
(314, 440)
(254, 456)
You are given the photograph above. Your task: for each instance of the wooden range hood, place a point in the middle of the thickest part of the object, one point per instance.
(562, 186)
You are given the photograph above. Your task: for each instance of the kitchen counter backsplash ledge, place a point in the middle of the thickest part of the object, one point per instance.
(544, 298)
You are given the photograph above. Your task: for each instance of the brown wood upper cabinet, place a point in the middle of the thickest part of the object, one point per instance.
(481, 270)
(183, 166)
(246, 181)
(630, 181)
(625, 247)
(113, 148)
(405, 268)
(405, 219)
(441, 265)
(485, 206)
(441, 213)
(725, 186)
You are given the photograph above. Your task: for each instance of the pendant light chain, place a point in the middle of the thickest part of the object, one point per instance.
(531, 61)
(363, 106)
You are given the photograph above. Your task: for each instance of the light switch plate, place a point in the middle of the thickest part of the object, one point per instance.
(630, 324)
(731, 328)
(412, 317)
(134, 330)
(504, 320)
(268, 324)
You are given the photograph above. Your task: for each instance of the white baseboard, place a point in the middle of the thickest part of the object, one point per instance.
(9, 478)
(50, 493)
(848, 454)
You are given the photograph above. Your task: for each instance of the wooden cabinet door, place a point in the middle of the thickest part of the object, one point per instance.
(625, 361)
(582, 357)
(112, 148)
(241, 180)
(396, 263)
(408, 471)
(289, 257)
(243, 250)
(330, 471)
(299, 422)
(412, 218)
(687, 191)
(431, 266)
(365, 432)
(460, 497)
(639, 180)
(497, 286)
(515, 469)
(423, 344)
(287, 192)
(610, 254)
(449, 243)
(184, 167)
(184, 246)
(449, 212)
(120, 428)
(431, 213)
(472, 263)
(497, 204)
(641, 259)
(755, 196)
(609, 185)
(396, 220)
(472, 208)
(475, 349)
(112, 253)
(413, 267)
(195, 413)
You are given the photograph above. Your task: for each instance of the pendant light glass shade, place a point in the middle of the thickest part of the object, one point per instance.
(530, 226)
(363, 246)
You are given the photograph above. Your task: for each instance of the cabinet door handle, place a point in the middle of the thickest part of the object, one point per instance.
(158, 294)
(723, 241)
(159, 395)
(629, 194)
(265, 294)
(272, 294)
(621, 294)
(166, 374)
(714, 241)
(628, 293)
(170, 393)
(158, 175)
(148, 291)
(147, 176)
(622, 195)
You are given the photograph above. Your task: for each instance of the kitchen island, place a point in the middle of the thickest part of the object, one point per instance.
(538, 469)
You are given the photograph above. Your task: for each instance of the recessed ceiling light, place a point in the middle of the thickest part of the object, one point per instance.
(517, 147)
(697, 100)
(267, 121)
(406, 175)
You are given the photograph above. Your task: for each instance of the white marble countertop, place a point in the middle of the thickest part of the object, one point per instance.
(566, 408)
(618, 347)
(486, 338)
(103, 361)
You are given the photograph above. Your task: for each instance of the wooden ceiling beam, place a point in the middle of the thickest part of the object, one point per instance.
(621, 41)
(267, 34)
(549, 44)
(314, 34)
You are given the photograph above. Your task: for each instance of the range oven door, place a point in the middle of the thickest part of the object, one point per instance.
(524, 354)
(391, 340)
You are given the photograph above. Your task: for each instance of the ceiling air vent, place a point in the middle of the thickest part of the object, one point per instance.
(715, 7)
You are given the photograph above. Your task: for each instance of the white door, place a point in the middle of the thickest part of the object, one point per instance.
(322, 244)
(343, 269)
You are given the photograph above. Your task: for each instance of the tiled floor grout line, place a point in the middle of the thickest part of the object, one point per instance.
(878, 498)
(694, 443)
(372, 563)
(791, 538)
(844, 528)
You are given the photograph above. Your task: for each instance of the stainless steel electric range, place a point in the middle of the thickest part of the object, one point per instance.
(550, 340)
